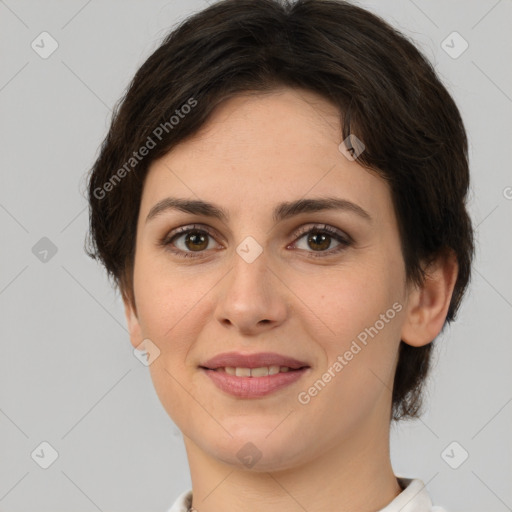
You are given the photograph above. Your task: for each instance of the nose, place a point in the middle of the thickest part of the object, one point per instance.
(252, 298)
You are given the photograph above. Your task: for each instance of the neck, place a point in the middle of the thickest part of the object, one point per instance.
(355, 475)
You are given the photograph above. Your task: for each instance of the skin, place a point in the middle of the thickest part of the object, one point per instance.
(255, 152)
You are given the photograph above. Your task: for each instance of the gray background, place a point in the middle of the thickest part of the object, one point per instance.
(68, 374)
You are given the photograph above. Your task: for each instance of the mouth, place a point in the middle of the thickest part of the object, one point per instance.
(253, 375)
(256, 379)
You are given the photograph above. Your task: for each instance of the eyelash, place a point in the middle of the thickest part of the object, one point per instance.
(344, 240)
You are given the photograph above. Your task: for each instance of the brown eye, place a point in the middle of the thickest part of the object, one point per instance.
(196, 240)
(319, 240)
(188, 240)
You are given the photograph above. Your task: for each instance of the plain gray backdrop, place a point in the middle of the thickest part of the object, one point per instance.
(68, 374)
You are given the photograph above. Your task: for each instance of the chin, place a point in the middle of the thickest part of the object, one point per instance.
(254, 451)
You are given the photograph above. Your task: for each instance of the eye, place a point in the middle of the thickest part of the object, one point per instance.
(187, 240)
(319, 238)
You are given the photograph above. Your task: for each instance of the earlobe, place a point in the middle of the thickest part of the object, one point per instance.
(132, 322)
(428, 303)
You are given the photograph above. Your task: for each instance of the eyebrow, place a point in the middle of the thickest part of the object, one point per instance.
(282, 211)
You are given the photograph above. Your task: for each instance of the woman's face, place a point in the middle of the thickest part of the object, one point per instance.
(262, 281)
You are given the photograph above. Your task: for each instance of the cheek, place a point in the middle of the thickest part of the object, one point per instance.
(349, 299)
(169, 312)
(356, 377)
(166, 298)
(361, 314)
(165, 306)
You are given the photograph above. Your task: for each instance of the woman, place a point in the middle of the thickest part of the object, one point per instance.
(281, 199)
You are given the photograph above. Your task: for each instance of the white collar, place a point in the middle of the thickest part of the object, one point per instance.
(413, 498)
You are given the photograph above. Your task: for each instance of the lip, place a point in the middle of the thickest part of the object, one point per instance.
(253, 387)
(236, 359)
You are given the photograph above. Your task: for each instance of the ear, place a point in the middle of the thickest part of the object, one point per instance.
(427, 305)
(132, 321)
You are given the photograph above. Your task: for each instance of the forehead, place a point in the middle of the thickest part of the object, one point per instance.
(277, 119)
(262, 148)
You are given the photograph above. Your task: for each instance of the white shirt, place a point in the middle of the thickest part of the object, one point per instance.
(413, 498)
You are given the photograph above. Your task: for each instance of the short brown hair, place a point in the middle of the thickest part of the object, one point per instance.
(387, 94)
